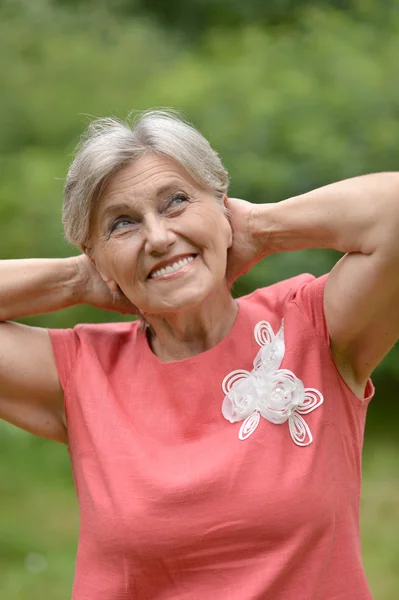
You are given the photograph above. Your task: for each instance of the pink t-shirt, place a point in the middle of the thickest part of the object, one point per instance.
(174, 505)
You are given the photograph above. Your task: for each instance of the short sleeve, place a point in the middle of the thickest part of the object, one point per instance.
(309, 298)
(66, 346)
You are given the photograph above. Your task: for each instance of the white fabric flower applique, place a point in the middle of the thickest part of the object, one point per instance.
(268, 391)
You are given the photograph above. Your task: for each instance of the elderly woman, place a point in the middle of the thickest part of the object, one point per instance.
(216, 445)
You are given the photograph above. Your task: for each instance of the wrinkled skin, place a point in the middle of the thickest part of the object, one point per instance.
(150, 215)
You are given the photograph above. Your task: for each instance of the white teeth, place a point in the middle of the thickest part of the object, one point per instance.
(173, 267)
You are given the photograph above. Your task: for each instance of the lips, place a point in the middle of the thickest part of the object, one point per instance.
(168, 263)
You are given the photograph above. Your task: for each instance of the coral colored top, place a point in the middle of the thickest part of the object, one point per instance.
(174, 506)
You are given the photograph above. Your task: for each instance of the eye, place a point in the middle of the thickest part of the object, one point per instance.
(177, 200)
(121, 223)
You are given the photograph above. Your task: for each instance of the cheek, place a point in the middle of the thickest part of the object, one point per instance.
(221, 224)
(210, 228)
(119, 261)
(223, 233)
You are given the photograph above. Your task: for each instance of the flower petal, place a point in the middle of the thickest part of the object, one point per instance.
(264, 333)
(313, 399)
(270, 357)
(272, 347)
(299, 430)
(278, 395)
(249, 425)
(233, 378)
(240, 399)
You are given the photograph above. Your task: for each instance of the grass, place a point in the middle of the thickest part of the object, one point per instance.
(39, 518)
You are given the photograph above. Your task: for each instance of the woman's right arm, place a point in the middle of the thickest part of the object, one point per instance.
(31, 396)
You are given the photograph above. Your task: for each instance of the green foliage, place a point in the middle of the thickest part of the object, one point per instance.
(193, 18)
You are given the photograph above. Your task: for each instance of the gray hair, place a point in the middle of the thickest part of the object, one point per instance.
(109, 144)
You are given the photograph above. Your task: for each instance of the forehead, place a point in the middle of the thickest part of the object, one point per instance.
(143, 179)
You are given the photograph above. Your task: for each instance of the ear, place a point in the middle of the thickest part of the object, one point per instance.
(228, 215)
(109, 282)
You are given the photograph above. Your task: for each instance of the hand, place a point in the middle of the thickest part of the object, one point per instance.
(95, 292)
(246, 250)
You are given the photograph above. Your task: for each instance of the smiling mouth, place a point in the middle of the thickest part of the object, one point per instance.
(174, 267)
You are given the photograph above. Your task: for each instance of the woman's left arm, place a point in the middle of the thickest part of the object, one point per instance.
(359, 217)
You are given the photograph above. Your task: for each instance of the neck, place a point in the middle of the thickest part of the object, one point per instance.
(175, 336)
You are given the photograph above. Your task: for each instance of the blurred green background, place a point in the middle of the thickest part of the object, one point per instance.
(293, 94)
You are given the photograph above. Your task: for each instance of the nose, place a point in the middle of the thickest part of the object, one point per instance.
(158, 237)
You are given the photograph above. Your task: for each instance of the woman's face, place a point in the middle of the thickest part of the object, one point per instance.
(160, 237)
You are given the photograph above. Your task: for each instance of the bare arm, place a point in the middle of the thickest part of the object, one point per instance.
(37, 286)
(31, 395)
(360, 217)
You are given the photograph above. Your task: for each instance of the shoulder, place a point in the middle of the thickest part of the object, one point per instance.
(95, 332)
(88, 343)
(282, 291)
(301, 296)
(98, 332)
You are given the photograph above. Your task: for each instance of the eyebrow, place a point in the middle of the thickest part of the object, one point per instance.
(115, 208)
(168, 188)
